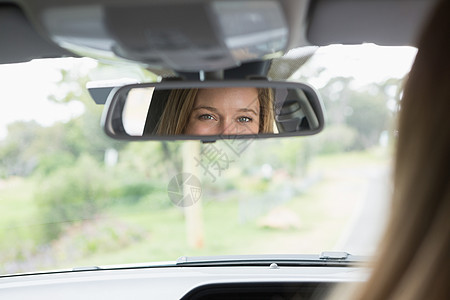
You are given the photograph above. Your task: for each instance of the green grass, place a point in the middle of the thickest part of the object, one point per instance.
(323, 210)
(373, 156)
(224, 234)
(15, 201)
(17, 213)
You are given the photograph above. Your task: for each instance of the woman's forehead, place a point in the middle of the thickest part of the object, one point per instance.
(228, 97)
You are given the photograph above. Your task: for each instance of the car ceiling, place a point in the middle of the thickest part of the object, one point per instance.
(317, 22)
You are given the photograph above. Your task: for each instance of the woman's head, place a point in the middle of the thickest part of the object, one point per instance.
(215, 111)
(412, 258)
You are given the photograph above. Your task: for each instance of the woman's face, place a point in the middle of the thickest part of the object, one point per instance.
(227, 111)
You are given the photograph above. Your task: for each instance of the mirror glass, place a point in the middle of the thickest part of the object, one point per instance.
(153, 111)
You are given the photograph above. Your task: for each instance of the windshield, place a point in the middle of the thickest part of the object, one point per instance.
(71, 197)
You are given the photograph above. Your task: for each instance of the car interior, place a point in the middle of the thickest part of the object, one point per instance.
(200, 44)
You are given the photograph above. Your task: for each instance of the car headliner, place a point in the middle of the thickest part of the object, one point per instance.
(315, 22)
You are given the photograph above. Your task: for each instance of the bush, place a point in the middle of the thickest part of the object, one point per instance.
(51, 162)
(70, 194)
(95, 236)
(132, 192)
(336, 138)
(369, 118)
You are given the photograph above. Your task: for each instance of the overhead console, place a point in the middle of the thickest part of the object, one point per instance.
(183, 36)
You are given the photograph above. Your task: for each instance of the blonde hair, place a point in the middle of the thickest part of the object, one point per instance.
(413, 257)
(175, 116)
(180, 104)
(266, 117)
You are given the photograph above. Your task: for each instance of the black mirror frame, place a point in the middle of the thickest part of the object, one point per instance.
(112, 114)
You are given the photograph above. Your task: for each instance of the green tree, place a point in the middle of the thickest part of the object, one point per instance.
(71, 194)
(17, 153)
(369, 116)
(360, 114)
(28, 145)
(86, 131)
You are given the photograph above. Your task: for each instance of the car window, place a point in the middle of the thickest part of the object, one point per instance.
(70, 196)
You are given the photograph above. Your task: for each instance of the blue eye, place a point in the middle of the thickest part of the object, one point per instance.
(206, 117)
(244, 119)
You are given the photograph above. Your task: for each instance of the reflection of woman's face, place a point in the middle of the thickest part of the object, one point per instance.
(227, 111)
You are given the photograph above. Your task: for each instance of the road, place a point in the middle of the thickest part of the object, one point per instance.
(369, 218)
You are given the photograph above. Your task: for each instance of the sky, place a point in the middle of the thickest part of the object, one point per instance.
(25, 87)
(367, 63)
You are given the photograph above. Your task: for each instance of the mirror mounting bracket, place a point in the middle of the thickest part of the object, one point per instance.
(257, 69)
(211, 75)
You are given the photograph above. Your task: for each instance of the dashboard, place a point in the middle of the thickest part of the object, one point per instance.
(221, 282)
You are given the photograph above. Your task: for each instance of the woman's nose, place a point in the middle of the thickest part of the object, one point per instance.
(229, 127)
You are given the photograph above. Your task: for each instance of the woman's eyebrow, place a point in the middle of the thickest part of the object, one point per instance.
(213, 109)
(248, 110)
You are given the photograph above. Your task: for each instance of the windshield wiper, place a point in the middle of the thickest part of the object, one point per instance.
(343, 259)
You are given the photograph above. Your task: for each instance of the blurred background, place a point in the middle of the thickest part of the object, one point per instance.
(70, 196)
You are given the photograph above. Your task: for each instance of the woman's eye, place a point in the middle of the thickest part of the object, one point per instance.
(206, 117)
(244, 119)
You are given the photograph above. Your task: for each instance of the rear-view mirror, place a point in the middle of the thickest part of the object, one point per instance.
(212, 110)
